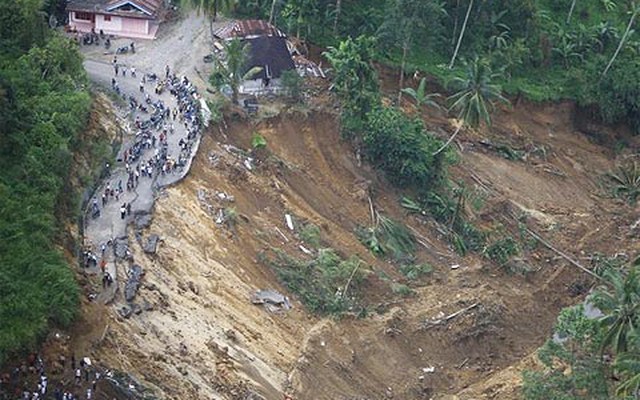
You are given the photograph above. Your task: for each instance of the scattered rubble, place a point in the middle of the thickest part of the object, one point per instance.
(142, 219)
(133, 283)
(272, 300)
(121, 248)
(151, 246)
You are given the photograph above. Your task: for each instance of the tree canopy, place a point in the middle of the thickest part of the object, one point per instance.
(43, 105)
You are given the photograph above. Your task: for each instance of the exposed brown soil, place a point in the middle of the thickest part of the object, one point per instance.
(205, 340)
(201, 280)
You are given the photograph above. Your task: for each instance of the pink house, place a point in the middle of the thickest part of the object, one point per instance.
(128, 18)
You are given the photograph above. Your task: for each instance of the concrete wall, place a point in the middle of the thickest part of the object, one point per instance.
(115, 25)
(81, 25)
(257, 88)
(119, 26)
(135, 26)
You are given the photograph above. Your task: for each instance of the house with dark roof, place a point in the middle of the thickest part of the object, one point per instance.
(271, 54)
(128, 18)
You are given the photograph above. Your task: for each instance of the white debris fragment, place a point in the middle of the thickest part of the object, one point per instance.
(305, 250)
(289, 221)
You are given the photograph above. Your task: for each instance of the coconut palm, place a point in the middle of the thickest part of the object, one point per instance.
(619, 301)
(475, 98)
(635, 7)
(464, 27)
(420, 95)
(211, 8)
(233, 70)
(627, 365)
(573, 6)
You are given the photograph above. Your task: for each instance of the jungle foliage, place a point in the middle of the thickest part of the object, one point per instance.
(594, 355)
(43, 105)
(541, 49)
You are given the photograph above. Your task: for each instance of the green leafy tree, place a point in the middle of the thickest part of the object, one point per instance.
(408, 22)
(475, 96)
(402, 148)
(355, 81)
(572, 368)
(619, 301)
(300, 14)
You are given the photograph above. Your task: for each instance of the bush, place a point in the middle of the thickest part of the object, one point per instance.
(388, 237)
(292, 83)
(310, 234)
(403, 149)
(414, 271)
(502, 250)
(320, 283)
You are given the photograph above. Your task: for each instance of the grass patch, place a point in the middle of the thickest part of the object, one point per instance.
(388, 238)
(326, 284)
(415, 271)
(310, 234)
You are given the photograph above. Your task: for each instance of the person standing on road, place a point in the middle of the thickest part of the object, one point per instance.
(123, 211)
(166, 71)
(133, 72)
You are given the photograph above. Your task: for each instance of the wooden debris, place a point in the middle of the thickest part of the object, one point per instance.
(430, 324)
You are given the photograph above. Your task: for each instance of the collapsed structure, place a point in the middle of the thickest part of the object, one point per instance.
(270, 50)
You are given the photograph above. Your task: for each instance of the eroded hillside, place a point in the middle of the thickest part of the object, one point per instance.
(201, 336)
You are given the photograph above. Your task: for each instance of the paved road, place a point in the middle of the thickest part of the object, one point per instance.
(109, 225)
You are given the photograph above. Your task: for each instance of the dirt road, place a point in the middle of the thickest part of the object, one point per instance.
(109, 225)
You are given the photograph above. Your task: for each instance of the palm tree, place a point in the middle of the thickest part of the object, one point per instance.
(408, 22)
(211, 8)
(273, 11)
(620, 303)
(420, 95)
(475, 98)
(573, 6)
(337, 16)
(635, 10)
(234, 70)
(628, 366)
(464, 27)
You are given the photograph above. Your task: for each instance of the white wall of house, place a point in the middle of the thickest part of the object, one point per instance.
(256, 87)
(81, 25)
(135, 25)
(108, 23)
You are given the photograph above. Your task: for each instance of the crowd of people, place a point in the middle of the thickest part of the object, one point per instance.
(149, 155)
(29, 381)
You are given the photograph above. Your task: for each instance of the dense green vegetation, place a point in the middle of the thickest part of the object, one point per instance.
(594, 357)
(540, 49)
(325, 284)
(43, 104)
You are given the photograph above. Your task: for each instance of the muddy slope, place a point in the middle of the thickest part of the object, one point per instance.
(199, 336)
